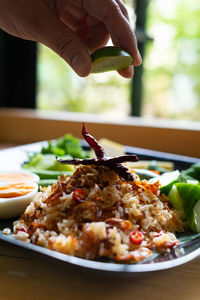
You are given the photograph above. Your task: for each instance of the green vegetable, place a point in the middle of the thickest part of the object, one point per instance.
(53, 150)
(189, 194)
(65, 145)
(145, 174)
(193, 171)
(49, 174)
(183, 190)
(46, 182)
(47, 162)
(154, 166)
(167, 180)
(194, 219)
(45, 165)
(175, 198)
(186, 198)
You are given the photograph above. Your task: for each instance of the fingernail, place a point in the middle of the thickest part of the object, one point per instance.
(80, 65)
(139, 58)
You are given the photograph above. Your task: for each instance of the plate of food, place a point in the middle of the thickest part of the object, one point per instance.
(135, 212)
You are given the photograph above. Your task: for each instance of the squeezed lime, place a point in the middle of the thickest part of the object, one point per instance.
(110, 58)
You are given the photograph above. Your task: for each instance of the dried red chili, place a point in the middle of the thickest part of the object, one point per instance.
(99, 151)
(113, 163)
(136, 237)
(79, 195)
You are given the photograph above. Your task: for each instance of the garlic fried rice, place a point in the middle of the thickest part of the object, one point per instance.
(96, 214)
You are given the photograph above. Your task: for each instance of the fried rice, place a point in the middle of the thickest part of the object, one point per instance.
(95, 214)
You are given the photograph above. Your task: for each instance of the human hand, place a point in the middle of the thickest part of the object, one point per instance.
(72, 28)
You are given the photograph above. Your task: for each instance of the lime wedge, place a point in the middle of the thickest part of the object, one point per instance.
(194, 219)
(110, 58)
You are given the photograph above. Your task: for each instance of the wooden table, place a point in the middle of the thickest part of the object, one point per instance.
(24, 276)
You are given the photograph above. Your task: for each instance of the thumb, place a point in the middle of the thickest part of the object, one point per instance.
(61, 39)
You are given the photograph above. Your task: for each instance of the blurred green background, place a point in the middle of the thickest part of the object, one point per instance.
(171, 77)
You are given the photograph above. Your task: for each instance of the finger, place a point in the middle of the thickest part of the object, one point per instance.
(70, 20)
(127, 73)
(110, 13)
(72, 9)
(80, 3)
(122, 33)
(50, 31)
(93, 32)
(98, 37)
(123, 9)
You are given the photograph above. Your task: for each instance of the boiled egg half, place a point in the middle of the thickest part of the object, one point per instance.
(17, 190)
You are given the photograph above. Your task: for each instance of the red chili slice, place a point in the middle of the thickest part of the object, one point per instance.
(136, 237)
(22, 228)
(113, 163)
(79, 195)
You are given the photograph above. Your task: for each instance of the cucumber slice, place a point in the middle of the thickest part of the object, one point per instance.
(47, 162)
(48, 174)
(175, 198)
(109, 59)
(190, 194)
(167, 180)
(194, 219)
(184, 197)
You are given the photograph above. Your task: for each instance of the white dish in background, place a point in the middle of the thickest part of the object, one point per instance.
(14, 206)
(12, 176)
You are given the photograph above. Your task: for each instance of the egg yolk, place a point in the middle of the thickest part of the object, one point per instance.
(15, 190)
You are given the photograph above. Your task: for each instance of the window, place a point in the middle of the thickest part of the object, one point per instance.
(171, 76)
(59, 88)
(166, 86)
